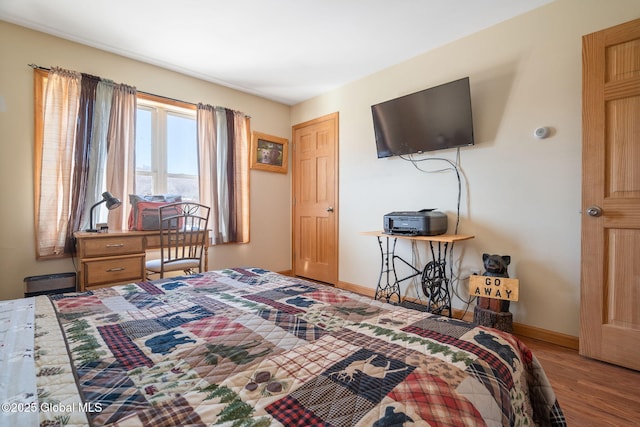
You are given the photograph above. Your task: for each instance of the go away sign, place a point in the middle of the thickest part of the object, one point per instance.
(494, 287)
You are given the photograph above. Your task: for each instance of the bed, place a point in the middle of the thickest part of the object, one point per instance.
(250, 347)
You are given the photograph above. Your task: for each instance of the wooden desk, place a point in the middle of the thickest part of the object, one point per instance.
(443, 238)
(116, 257)
(435, 280)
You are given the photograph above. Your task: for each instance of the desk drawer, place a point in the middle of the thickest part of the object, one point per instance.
(153, 240)
(115, 245)
(114, 270)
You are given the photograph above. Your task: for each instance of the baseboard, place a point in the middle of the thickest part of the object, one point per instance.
(467, 315)
(285, 272)
(358, 289)
(545, 335)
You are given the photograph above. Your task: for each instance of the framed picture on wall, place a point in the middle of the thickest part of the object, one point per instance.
(269, 153)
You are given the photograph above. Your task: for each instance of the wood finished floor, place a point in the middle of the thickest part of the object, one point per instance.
(590, 393)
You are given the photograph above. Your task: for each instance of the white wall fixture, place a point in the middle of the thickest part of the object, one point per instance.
(3, 106)
(542, 132)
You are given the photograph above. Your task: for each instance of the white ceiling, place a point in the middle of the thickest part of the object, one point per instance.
(284, 50)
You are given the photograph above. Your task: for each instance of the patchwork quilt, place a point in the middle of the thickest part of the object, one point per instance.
(249, 347)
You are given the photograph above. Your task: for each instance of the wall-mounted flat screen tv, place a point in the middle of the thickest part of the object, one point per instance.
(432, 119)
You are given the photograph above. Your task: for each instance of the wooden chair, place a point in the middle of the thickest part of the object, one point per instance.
(183, 236)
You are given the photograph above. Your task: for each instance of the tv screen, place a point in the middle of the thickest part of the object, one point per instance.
(432, 119)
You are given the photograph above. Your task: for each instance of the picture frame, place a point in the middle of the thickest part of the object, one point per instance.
(269, 153)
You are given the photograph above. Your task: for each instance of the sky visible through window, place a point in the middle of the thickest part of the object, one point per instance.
(181, 143)
(173, 146)
(182, 151)
(143, 140)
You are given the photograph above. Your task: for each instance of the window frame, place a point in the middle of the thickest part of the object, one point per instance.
(161, 108)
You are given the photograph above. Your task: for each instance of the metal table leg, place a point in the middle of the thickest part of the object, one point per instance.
(435, 281)
(391, 285)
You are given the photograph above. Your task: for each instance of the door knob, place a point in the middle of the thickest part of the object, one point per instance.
(330, 209)
(594, 211)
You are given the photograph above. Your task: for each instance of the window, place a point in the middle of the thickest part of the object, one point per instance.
(174, 141)
(166, 150)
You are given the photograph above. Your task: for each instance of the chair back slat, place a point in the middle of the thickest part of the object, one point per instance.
(183, 233)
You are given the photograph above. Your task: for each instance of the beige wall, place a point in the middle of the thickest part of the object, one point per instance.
(270, 192)
(521, 195)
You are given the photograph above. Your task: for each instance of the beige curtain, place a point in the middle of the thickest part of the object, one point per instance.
(224, 171)
(59, 134)
(207, 161)
(241, 182)
(120, 152)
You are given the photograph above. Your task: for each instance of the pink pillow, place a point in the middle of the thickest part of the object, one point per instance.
(144, 213)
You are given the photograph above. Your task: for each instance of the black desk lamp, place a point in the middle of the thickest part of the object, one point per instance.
(112, 203)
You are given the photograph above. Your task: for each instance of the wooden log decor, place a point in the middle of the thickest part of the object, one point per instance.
(496, 292)
(502, 288)
(487, 317)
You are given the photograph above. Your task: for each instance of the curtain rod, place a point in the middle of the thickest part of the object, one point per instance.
(35, 66)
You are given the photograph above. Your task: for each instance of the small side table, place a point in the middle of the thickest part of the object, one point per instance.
(435, 280)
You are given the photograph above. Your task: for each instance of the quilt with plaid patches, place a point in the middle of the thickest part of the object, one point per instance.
(249, 347)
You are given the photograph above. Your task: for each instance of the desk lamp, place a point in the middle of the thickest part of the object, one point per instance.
(112, 203)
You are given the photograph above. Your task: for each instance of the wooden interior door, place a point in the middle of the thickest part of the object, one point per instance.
(610, 288)
(315, 199)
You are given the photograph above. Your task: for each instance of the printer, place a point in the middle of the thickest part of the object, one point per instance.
(425, 222)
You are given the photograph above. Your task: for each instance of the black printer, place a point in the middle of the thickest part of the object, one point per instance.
(425, 222)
